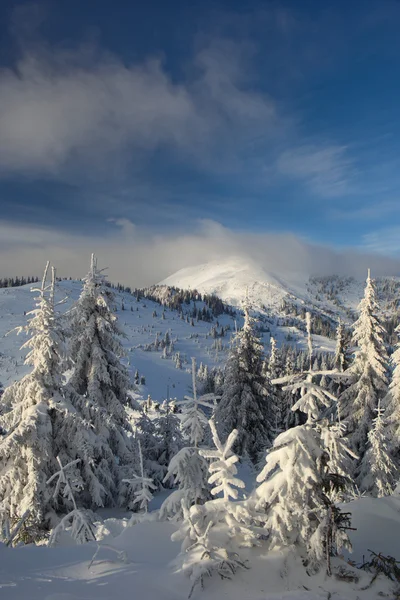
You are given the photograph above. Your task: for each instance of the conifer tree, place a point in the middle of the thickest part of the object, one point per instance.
(213, 533)
(26, 443)
(245, 405)
(43, 418)
(378, 473)
(341, 359)
(368, 373)
(303, 475)
(101, 381)
(391, 404)
(188, 467)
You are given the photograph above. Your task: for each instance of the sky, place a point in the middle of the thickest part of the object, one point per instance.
(126, 127)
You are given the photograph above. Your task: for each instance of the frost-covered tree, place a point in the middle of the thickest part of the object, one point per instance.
(101, 380)
(278, 402)
(245, 405)
(294, 493)
(312, 397)
(188, 468)
(341, 359)
(26, 443)
(79, 522)
(368, 373)
(95, 347)
(213, 533)
(391, 404)
(304, 474)
(378, 473)
(168, 436)
(42, 418)
(141, 485)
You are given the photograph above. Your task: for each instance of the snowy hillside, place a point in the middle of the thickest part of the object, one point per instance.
(142, 321)
(231, 279)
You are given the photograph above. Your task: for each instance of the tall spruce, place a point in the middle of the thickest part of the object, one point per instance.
(101, 381)
(303, 476)
(26, 442)
(391, 404)
(368, 374)
(245, 404)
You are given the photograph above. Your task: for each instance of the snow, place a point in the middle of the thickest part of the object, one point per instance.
(148, 573)
(140, 561)
(140, 328)
(231, 279)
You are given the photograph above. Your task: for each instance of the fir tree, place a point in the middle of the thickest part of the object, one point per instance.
(378, 473)
(101, 381)
(213, 533)
(142, 486)
(188, 467)
(43, 419)
(245, 405)
(304, 474)
(26, 444)
(368, 373)
(392, 407)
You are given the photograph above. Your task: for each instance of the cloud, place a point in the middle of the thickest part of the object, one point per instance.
(83, 110)
(385, 241)
(60, 108)
(139, 257)
(326, 169)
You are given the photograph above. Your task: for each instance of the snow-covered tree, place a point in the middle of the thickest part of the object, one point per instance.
(168, 436)
(341, 359)
(79, 522)
(368, 373)
(245, 405)
(378, 473)
(29, 408)
(101, 381)
(213, 533)
(391, 404)
(188, 468)
(340, 459)
(293, 492)
(141, 485)
(304, 475)
(277, 400)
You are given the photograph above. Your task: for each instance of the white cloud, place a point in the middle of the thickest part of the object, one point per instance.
(86, 110)
(326, 169)
(385, 241)
(59, 108)
(140, 257)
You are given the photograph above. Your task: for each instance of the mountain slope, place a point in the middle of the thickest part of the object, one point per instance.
(232, 278)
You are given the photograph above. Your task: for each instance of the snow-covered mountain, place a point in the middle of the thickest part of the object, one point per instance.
(232, 278)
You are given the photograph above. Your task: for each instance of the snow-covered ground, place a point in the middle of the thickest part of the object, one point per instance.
(145, 568)
(140, 327)
(232, 278)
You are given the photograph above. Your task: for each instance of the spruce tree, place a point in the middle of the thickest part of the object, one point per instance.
(378, 473)
(188, 467)
(43, 418)
(304, 473)
(245, 405)
(101, 381)
(391, 404)
(368, 373)
(213, 533)
(26, 444)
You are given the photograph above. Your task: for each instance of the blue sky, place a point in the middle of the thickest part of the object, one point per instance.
(261, 116)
